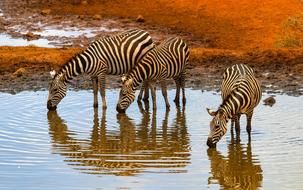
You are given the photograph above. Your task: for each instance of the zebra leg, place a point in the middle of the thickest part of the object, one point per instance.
(146, 91)
(248, 125)
(143, 89)
(182, 82)
(140, 94)
(232, 126)
(177, 97)
(95, 90)
(102, 82)
(164, 93)
(237, 126)
(153, 93)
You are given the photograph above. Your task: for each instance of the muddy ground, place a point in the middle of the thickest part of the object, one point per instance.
(27, 68)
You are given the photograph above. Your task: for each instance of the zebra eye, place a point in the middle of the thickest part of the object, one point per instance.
(217, 126)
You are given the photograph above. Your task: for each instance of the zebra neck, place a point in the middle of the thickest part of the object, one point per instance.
(227, 109)
(139, 74)
(136, 81)
(81, 63)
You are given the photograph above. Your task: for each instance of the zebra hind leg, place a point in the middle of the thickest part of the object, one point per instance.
(95, 90)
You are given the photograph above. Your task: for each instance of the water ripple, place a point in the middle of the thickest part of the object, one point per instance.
(79, 147)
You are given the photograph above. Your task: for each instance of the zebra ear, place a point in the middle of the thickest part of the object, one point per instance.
(128, 82)
(210, 112)
(52, 73)
(123, 78)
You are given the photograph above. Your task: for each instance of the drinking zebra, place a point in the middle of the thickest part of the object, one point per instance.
(113, 55)
(241, 93)
(168, 60)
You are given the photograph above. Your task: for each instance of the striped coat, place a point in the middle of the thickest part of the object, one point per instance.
(168, 60)
(241, 93)
(112, 55)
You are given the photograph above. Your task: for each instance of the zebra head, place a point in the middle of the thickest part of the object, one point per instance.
(218, 127)
(57, 90)
(126, 96)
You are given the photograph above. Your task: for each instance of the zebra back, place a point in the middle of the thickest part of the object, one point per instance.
(240, 83)
(166, 60)
(115, 54)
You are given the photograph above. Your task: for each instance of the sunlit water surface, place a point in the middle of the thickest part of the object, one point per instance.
(78, 147)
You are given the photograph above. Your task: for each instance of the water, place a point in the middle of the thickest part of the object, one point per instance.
(78, 147)
(51, 36)
(7, 40)
(73, 31)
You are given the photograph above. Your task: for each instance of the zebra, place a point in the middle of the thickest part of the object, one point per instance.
(240, 93)
(113, 55)
(167, 60)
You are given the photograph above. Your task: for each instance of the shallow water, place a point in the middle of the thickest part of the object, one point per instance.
(51, 36)
(73, 31)
(7, 40)
(78, 147)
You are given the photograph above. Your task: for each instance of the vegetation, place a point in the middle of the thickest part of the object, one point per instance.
(292, 33)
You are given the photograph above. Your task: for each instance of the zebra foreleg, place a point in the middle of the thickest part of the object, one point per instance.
(140, 94)
(237, 126)
(153, 93)
(144, 89)
(248, 125)
(232, 126)
(177, 97)
(182, 82)
(102, 83)
(95, 90)
(164, 93)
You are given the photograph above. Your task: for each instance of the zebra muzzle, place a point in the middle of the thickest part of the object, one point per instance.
(210, 143)
(50, 106)
(120, 110)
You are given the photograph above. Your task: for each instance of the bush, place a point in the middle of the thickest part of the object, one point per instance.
(292, 33)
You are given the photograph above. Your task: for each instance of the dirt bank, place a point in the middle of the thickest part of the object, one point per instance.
(27, 68)
(228, 24)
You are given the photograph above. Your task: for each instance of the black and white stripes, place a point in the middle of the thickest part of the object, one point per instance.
(168, 60)
(113, 55)
(241, 93)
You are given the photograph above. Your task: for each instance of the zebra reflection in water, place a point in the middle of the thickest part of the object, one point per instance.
(238, 170)
(128, 151)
